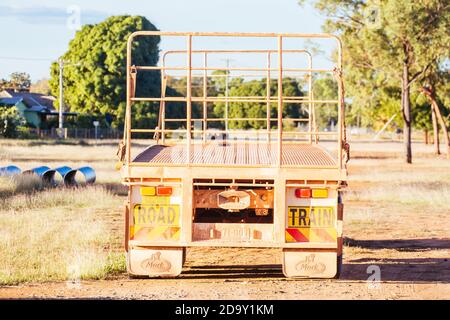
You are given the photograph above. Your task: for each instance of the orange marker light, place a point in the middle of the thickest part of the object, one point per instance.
(320, 193)
(164, 191)
(303, 193)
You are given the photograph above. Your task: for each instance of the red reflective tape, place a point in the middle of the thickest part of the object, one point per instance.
(324, 235)
(297, 235)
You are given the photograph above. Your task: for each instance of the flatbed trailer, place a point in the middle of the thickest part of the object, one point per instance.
(222, 187)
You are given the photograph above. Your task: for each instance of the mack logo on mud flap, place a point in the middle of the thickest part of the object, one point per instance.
(156, 264)
(160, 215)
(310, 217)
(310, 265)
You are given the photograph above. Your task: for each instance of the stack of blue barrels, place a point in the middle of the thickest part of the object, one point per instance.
(69, 176)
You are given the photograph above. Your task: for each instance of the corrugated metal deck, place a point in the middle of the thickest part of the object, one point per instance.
(239, 154)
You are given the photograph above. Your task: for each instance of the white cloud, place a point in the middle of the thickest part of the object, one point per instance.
(48, 15)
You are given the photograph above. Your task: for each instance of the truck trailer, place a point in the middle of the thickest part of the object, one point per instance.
(263, 181)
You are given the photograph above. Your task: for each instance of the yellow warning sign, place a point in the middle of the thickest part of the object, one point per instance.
(311, 217)
(156, 215)
(155, 222)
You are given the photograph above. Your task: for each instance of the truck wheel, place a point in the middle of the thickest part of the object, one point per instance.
(184, 255)
(339, 267)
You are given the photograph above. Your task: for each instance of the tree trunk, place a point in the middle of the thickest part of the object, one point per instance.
(425, 133)
(437, 150)
(429, 92)
(443, 126)
(406, 110)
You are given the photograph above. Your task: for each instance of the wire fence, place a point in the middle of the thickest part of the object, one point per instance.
(72, 133)
(113, 133)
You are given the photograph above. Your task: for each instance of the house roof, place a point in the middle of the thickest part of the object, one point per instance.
(35, 102)
(10, 101)
(30, 99)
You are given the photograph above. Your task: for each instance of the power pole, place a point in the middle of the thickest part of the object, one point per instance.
(61, 97)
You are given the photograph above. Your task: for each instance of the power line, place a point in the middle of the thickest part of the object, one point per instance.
(26, 59)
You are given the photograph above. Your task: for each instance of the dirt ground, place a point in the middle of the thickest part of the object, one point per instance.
(407, 241)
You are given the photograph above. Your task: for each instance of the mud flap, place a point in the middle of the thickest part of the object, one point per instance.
(155, 261)
(298, 263)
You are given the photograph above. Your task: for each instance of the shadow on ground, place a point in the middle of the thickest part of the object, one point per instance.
(400, 244)
(397, 270)
(416, 270)
(233, 272)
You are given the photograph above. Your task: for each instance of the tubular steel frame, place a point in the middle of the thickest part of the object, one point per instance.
(279, 99)
(205, 76)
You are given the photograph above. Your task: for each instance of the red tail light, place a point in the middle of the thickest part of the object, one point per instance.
(164, 191)
(303, 193)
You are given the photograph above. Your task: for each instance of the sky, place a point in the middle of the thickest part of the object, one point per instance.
(34, 33)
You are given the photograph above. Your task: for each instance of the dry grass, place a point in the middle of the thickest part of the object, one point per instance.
(435, 195)
(56, 233)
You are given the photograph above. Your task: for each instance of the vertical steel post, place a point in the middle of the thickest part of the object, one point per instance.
(189, 97)
(340, 103)
(310, 109)
(268, 96)
(226, 94)
(128, 110)
(205, 94)
(162, 108)
(280, 99)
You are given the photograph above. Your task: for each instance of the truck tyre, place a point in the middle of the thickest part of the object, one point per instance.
(339, 267)
(184, 255)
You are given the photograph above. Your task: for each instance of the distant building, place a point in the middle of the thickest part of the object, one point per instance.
(35, 108)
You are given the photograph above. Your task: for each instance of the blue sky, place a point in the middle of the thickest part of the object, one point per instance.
(37, 29)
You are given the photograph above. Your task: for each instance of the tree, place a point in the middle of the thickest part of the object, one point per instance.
(433, 84)
(391, 41)
(9, 121)
(421, 115)
(40, 86)
(240, 88)
(20, 81)
(325, 88)
(98, 83)
(4, 84)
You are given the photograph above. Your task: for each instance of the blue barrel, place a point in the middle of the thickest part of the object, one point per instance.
(47, 174)
(9, 171)
(88, 173)
(67, 174)
(71, 178)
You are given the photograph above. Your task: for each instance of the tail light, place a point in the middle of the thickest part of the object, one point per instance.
(303, 193)
(320, 193)
(148, 191)
(164, 191)
(156, 191)
(311, 193)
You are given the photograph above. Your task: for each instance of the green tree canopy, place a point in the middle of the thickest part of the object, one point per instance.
(388, 43)
(96, 80)
(239, 87)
